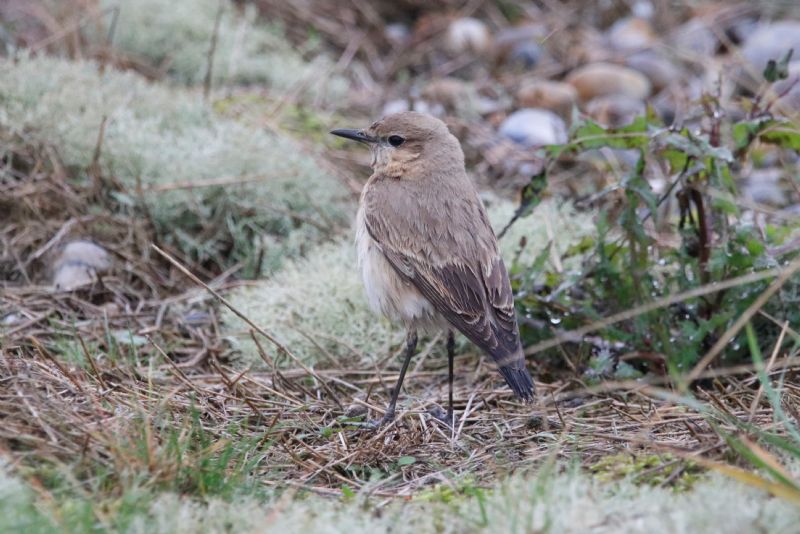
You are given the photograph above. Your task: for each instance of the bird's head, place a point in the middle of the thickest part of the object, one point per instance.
(409, 145)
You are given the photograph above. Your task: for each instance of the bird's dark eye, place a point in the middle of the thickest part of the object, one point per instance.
(396, 140)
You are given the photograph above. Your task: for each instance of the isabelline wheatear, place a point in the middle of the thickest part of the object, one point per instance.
(427, 253)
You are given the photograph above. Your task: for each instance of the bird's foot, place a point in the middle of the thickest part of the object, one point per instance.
(440, 415)
(375, 424)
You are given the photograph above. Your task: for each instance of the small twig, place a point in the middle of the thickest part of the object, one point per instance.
(211, 49)
(92, 363)
(247, 320)
(464, 416)
(778, 343)
(44, 352)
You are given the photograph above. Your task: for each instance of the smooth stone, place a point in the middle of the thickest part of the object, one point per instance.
(631, 33)
(507, 39)
(520, 46)
(71, 276)
(659, 70)
(695, 37)
(764, 187)
(605, 79)
(558, 97)
(772, 41)
(11, 319)
(452, 94)
(532, 127)
(468, 35)
(526, 54)
(398, 34)
(615, 111)
(78, 264)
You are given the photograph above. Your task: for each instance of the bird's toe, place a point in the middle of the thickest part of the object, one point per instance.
(438, 413)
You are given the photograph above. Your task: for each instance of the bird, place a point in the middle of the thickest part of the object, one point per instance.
(427, 253)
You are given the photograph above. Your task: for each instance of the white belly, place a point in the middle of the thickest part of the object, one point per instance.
(387, 293)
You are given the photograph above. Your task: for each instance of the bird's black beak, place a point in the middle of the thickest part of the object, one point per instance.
(355, 135)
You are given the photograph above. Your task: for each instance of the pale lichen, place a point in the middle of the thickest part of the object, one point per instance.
(176, 35)
(320, 301)
(160, 141)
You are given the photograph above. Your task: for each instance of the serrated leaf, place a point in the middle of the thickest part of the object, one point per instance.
(772, 131)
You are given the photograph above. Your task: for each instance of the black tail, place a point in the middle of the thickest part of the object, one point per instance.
(518, 379)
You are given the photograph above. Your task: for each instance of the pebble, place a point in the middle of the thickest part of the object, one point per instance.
(615, 111)
(11, 319)
(533, 127)
(519, 45)
(772, 41)
(605, 79)
(452, 94)
(696, 38)
(526, 54)
(558, 97)
(631, 33)
(764, 186)
(468, 35)
(659, 70)
(78, 264)
(397, 34)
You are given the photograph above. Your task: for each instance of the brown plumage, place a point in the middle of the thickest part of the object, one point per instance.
(427, 253)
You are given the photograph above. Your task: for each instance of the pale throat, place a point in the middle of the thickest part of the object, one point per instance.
(389, 161)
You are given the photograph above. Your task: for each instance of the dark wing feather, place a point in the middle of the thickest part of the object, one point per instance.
(471, 291)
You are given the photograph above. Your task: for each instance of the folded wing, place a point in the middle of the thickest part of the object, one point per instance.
(467, 283)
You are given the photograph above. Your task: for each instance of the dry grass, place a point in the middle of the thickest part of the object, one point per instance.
(131, 396)
(304, 427)
(133, 379)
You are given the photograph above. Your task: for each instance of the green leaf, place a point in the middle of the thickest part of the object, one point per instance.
(676, 158)
(406, 460)
(696, 146)
(776, 132)
(783, 136)
(531, 196)
(745, 131)
(587, 135)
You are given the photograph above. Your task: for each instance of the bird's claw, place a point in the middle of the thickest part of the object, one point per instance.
(375, 424)
(440, 415)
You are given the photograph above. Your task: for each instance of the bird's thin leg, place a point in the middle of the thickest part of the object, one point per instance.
(411, 346)
(451, 354)
(436, 412)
